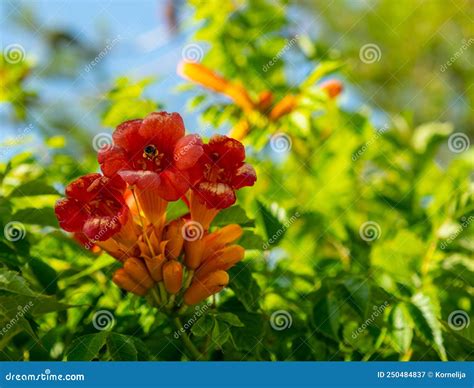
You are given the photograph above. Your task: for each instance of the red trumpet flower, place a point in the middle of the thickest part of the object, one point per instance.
(153, 154)
(94, 205)
(223, 171)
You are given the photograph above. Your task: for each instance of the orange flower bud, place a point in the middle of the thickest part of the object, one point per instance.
(202, 75)
(193, 253)
(154, 265)
(284, 106)
(123, 280)
(173, 276)
(265, 99)
(175, 239)
(240, 96)
(223, 259)
(137, 270)
(332, 87)
(218, 239)
(201, 289)
(240, 130)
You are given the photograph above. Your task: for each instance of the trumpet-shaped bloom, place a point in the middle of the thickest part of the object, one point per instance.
(153, 154)
(222, 171)
(94, 205)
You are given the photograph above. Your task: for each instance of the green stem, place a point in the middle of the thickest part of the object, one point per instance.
(196, 355)
(189, 278)
(171, 301)
(164, 295)
(155, 296)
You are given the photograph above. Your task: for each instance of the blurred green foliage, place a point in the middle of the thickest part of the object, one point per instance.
(364, 237)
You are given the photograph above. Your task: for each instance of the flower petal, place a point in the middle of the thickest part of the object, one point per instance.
(244, 176)
(187, 151)
(126, 135)
(143, 179)
(215, 195)
(174, 184)
(70, 214)
(101, 228)
(163, 130)
(230, 152)
(112, 160)
(78, 189)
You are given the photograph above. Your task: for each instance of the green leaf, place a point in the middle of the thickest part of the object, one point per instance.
(245, 286)
(427, 134)
(203, 326)
(13, 282)
(121, 347)
(319, 72)
(232, 215)
(252, 331)
(230, 318)
(272, 220)
(401, 327)
(251, 240)
(34, 187)
(326, 315)
(45, 274)
(39, 304)
(175, 210)
(38, 216)
(87, 347)
(220, 333)
(358, 298)
(426, 322)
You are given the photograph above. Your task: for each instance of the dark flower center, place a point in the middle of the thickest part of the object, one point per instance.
(150, 151)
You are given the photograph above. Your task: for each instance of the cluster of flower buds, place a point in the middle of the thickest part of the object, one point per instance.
(123, 211)
(264, 103)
